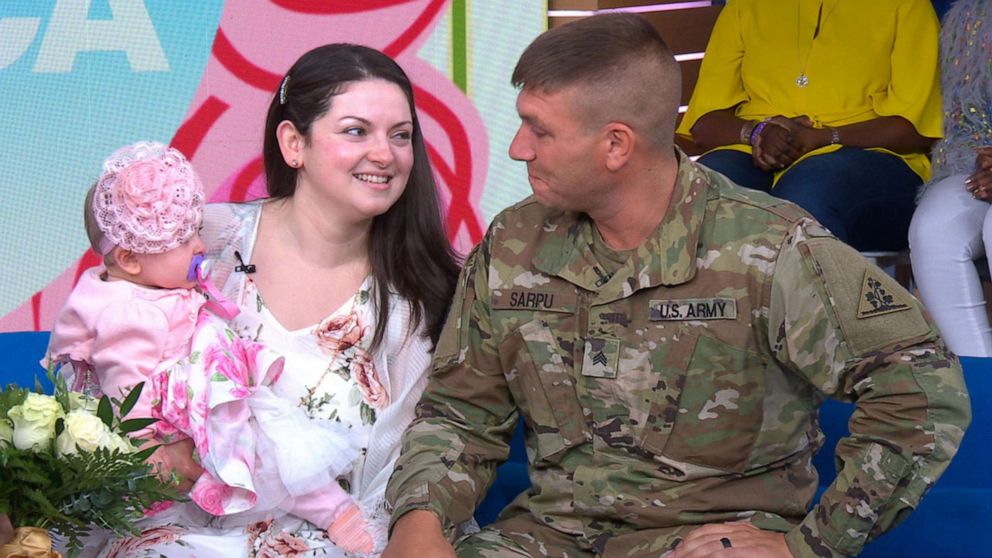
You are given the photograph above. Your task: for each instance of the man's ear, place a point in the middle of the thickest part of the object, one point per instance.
(126, 261)
(620, 141)
(291, 143)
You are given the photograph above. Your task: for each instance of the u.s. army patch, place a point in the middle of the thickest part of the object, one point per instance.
(876, 300)
(693, 309)
(601, 358)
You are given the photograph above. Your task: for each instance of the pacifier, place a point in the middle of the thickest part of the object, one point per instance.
(198, 268)
(199, 271)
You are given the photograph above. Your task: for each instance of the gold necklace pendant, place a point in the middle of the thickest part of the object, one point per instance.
(802, 80)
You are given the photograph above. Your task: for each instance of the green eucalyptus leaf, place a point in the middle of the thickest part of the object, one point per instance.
(105, 411)
(131, 399)
(133, 425)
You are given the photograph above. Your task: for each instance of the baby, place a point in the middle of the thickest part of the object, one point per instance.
(140, 318)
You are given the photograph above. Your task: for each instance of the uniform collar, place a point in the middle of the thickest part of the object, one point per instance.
(667, 257)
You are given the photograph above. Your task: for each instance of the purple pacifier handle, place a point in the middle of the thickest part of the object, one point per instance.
(194, 267)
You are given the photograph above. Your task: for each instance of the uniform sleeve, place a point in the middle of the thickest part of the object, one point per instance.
(720, 84)
(914, 88)
(854, 334)
(129, 342)
(465, 418)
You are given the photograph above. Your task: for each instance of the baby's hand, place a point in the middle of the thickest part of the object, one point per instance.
(175, 459)
(350, 532)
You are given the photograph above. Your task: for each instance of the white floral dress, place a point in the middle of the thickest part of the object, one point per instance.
(331, 374)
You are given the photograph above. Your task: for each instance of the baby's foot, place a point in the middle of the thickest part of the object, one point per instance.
(349, 531)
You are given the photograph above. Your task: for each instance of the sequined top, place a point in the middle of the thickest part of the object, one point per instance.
(966, 82)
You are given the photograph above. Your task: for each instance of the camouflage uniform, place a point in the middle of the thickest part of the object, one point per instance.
(682, 390)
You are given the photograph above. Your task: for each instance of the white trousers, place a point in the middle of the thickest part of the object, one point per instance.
(951, 229)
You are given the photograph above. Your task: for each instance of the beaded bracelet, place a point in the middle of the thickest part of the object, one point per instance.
(756, 133)
(834, 136)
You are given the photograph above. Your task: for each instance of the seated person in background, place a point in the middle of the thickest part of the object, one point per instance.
(953, 224)
(830, 104)
(139, 318)
(668, 338)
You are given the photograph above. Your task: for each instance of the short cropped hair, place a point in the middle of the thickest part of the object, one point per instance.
(619, 66)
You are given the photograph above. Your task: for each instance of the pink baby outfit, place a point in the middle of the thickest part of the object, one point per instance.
(122, 332)
(209, 384)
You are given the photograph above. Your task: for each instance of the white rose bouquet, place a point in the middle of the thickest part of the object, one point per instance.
(67, 463)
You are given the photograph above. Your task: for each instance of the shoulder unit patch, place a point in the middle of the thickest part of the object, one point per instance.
(876, 300)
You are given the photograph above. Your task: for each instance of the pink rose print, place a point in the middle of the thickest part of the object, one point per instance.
(210, 494)
(223, 358)
(340, 333)
(157, 508)
(256, 530)
(283, 544)
(131, 546)
(365, 375)
(163, 407)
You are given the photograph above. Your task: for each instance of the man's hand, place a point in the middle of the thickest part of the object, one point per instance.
(177, 458)
(980, 181)
(745, 540)
(418, 534)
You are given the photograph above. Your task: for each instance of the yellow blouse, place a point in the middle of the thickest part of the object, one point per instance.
(869, 58)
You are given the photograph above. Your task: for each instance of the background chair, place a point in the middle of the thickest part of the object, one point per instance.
(22, 353)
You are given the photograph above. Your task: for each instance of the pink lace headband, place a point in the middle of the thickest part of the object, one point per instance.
(148, 199)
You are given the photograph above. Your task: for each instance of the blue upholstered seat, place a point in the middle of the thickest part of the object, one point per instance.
(20, 354)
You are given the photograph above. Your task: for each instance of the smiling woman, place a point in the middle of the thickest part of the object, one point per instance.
(359, 154)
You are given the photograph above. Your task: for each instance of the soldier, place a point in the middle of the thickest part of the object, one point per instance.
(667, 337)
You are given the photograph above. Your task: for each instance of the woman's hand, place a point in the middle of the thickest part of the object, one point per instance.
(980, 181)
(775, 147)
(177, 458)
(732, 540)
(785, 140)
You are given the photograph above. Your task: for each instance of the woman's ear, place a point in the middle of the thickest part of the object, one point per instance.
(126, 261)
(291, 143)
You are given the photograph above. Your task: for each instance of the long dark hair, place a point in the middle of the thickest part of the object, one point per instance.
(409, 251)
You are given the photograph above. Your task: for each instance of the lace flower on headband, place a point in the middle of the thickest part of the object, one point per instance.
(148, 199)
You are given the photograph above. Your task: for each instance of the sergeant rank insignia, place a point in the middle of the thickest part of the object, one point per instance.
(876, 299)
(601, 357)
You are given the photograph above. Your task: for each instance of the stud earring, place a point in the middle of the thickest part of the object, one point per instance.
(294, 163)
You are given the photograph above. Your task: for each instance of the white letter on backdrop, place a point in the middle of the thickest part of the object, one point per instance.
(130, 30)
(16, 35)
